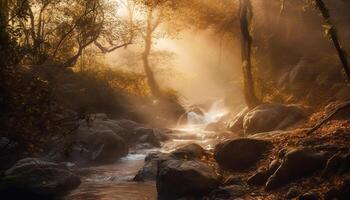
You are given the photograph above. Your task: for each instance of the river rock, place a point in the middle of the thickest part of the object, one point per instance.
(104, 140)
(341, 192)
(272, 116)
(100, 146)
(181, 178)
(296, 164)
(32, 178)
(240, 154)
(128, 124)
(229, 192)
(106, 147)
(189, 151)
(148, 136)
(113, 125)
(261, 177)
(135, 133)
(337, 164)
(149, 169)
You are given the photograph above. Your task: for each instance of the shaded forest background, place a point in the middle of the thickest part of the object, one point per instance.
(53, 71)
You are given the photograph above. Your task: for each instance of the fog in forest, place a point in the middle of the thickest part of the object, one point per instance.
(174, 99)
(203, 66)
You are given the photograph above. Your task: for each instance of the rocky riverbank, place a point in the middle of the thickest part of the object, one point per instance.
(281, 164)
(271, 165)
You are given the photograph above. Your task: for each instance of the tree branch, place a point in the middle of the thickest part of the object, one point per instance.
(108, 50)
(86, 12)
(334, 37)
(329, 116)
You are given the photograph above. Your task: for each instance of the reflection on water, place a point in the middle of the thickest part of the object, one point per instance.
(110, 190)
(114, 182)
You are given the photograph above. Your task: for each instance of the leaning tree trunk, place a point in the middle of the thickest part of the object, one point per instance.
(245, 13)
(334, 37)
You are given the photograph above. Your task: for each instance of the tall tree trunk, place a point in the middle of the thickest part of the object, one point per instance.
(3, 14)
(145, 58)
(334, 37)
(4, 36)
(245, 14)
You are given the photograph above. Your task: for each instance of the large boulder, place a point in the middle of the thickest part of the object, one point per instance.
(106, 147)
(133, 133)
(297, 163)
(33, 178)
(103, 140)
(272, 116)
(241, 153)
(150, 168)
(102, 125)
(128, 124)
(100, 146)
(181, 178)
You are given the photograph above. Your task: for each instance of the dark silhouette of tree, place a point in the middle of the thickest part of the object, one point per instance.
(332, 32)
(246, 13)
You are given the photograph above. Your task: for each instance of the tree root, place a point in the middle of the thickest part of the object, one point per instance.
(336, 110)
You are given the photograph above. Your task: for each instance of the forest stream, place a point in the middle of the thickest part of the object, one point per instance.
(174, 99)
(115, 181)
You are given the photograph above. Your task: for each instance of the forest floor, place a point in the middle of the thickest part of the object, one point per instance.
(333, 137)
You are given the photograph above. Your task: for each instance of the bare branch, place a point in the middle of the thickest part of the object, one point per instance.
(108, 50)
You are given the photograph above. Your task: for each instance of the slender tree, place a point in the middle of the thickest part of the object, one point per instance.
(245, 15)
(151, 27)
(332, 32)
(155, 12)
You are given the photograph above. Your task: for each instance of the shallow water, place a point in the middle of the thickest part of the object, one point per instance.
(115, 181)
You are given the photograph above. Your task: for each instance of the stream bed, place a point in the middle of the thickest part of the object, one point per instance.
(115, 181)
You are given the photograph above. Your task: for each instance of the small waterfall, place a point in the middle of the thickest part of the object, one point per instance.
(194, 118)
(216, 111)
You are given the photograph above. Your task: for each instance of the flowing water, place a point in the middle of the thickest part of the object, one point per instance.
(115, 181)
